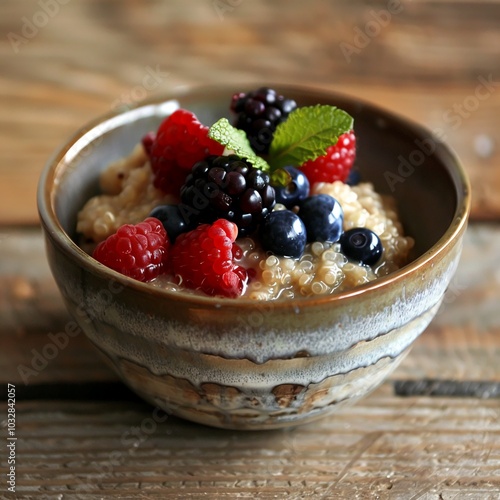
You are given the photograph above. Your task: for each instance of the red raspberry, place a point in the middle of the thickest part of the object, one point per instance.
(181, 141)
(139, 251)
(335, 164)
(204, 259)
(148, 141)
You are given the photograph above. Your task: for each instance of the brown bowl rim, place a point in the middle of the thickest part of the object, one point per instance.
(61, 238)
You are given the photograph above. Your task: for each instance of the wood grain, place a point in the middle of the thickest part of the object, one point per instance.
(426, 61)
(94, 444)
(412, 448)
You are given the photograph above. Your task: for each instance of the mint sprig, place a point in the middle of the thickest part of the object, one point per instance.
(231, 137)
(306, 134)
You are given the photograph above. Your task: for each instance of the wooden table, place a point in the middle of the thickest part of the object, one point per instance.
(432, 431)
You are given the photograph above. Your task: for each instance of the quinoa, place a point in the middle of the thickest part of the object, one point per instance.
(128, 196)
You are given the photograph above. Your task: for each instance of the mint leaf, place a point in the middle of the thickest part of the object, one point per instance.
(231, 137)
(306, 134)
(280, 177)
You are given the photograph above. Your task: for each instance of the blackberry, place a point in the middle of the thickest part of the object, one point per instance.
(227, 187)
(259, 113)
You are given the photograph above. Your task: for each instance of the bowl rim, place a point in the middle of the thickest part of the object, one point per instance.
(107, 121)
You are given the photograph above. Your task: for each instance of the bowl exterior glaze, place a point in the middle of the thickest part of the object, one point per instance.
(236, 363)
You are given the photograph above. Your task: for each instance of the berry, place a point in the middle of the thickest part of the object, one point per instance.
(203, 259)
(172, 219)
(295, 191)
(181, 141)
(148, 141)
(227, 187)
(323, 218)
(258, 113)
(354, 177)
(138, 251)
(335, 164)
(283, 233)
(361, 244)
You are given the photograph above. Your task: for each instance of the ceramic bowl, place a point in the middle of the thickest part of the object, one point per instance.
(243, 364)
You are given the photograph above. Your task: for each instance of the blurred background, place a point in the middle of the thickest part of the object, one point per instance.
(65, 62)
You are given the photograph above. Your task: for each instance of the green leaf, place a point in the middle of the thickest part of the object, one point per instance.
(231, 137)
(280, 177)
(306, 134)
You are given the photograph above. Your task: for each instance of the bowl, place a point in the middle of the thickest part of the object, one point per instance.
(243, 364)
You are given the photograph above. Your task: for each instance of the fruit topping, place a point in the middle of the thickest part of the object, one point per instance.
(323, 218)
(354, 177)
(362, 245)
(204, 259)
(227, 187)
(206, 187)
(172, 219)
(296, 190)
(139, 251)
(258, 113)
(335, 164)
(283, 233)
(148, 141)
(181, 141)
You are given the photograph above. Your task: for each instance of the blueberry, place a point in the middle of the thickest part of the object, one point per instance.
(362, 245)
(296, 191)
(172, 220)
(283, 233)
(323, 217)
(354, 177)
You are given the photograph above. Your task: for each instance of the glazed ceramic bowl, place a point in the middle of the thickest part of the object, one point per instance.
(237, 363)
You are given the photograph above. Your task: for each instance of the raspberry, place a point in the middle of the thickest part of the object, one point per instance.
(336, 164)
(227, 187)
(148, 141)
(203, 259)
(259, 113)
(181, 141)
(138, 251)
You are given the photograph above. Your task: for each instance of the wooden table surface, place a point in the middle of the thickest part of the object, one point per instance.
(431, 431)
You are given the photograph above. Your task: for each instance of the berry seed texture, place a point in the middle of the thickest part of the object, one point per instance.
(268, 206)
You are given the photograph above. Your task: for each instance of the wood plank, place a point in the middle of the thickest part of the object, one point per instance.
(412, 448)
(426, 62)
